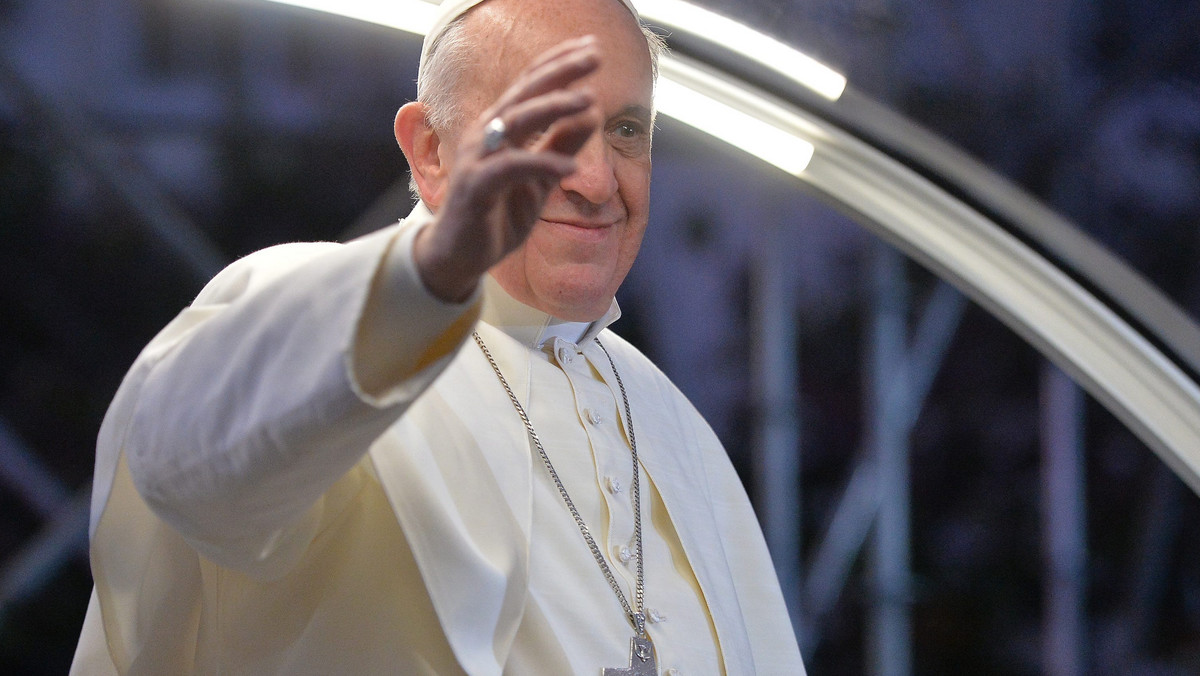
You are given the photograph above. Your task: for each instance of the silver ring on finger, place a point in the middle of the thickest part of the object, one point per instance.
(494, 135)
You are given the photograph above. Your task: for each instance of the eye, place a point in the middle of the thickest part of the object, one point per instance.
(628, 130)
(629, 135)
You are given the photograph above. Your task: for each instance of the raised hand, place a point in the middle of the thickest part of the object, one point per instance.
(493, 196)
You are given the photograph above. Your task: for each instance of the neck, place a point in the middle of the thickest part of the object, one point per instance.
(532, 326)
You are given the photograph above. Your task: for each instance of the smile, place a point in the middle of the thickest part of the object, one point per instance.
(588, 230)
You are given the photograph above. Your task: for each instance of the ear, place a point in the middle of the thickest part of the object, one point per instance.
(420, 144)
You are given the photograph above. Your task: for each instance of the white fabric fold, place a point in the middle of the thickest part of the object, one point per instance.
(260, 508)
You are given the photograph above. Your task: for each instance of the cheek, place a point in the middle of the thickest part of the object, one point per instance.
(634, 180)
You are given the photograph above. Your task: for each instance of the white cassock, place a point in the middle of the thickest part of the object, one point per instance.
(313, 470)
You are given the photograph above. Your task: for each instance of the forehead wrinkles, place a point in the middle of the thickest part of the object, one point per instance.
(500, 53)
(507, 35)
(494, 58)
(512, 33)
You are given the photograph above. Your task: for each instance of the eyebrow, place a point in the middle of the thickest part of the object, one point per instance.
(635, 111)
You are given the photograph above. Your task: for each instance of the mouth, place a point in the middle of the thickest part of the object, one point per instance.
(589, 231)
(583, 225)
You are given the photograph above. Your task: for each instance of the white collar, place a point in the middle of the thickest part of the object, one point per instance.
(532, 327)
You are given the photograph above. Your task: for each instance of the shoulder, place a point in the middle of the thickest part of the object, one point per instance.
(651, 383)
(252, 272)
(256, 270)
(629, 357)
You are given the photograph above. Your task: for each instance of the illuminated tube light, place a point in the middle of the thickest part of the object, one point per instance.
(740, 129)
(416, 16)
(682, 93)
(741, 39)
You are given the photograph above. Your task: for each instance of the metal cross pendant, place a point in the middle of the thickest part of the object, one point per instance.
(641, 659)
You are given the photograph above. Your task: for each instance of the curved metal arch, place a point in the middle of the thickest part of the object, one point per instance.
(1084, 309)
(1032, 293)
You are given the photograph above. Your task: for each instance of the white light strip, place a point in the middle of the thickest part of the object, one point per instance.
(763, 49)
(740, 129)
(416, 16)
(683, 93)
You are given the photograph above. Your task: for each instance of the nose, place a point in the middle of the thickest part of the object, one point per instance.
(595, 179)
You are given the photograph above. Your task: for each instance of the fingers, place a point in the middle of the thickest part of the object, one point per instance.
(497, 174)
(568, 135)
(561, 49)
(548, 159)
(529, 119)
(488, 212)
(555, 69)
(540, 97)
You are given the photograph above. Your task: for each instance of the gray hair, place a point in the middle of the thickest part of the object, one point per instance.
(449, 56)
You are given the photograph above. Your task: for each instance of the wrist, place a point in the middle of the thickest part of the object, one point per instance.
(439, 270)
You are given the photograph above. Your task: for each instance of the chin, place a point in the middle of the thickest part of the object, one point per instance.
(580, 312)
(580, 303)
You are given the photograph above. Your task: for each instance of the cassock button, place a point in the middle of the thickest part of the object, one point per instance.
(624, 553)
(565, 357)
(614, 485)
(673, 672)
(594, 417)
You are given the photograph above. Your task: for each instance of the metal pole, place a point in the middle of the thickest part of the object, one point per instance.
(1064, 526)
(890, 630)
(855, 513)
(27, 572)
(24, 474)
(67, 129)
(777, 460)
(63, 534)
(1159, 533)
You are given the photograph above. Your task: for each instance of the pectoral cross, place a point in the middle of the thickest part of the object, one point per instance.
(641, 660)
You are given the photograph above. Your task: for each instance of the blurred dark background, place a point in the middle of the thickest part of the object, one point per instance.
(144, 143)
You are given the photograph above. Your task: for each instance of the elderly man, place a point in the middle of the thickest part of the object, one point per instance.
(422, 452)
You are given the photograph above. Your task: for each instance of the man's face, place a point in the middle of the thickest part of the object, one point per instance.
(591, 228)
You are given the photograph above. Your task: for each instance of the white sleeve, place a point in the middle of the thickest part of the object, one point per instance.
(303, 355)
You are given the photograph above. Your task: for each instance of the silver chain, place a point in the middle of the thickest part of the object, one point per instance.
(637, 615)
